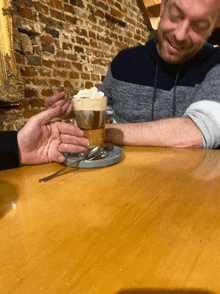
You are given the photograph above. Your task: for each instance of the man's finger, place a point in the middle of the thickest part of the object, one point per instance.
(61, 88)
(68, 112)
(59, 157)
(68, 139)
(71, 148)
(58, 96)
(69, 129)
(46, 116)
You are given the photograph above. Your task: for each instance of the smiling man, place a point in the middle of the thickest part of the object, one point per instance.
(184, 28)
(167, 92)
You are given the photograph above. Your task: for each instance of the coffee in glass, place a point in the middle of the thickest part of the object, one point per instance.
(90, 112)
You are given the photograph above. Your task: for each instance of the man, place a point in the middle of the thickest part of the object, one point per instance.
(167, 93)
(40, 141)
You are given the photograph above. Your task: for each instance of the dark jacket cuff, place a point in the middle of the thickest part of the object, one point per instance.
(9, 156)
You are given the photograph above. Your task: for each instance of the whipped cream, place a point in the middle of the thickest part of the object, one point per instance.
(89, 93)
(90, 99)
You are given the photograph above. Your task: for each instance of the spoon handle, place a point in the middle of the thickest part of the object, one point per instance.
(57, 173)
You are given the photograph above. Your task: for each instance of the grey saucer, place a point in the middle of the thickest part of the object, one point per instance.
(113, 157)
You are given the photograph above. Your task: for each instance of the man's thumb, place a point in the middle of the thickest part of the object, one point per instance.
(47, 115)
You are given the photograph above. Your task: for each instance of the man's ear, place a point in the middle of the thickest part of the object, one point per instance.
(162, 6)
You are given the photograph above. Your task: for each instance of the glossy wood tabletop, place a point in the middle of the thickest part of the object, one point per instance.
(149, 224)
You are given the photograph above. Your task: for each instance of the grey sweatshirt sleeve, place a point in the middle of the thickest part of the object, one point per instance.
(106, 89)
(206, 115)
(205, 109)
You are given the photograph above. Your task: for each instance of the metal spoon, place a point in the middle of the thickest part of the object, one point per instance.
(95, 153)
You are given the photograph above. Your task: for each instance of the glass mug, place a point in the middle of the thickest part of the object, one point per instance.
(90, 114)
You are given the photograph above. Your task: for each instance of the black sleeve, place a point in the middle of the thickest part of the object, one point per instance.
(9, 157)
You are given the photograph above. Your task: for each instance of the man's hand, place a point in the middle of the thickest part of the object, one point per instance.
(42, 141)
(61, 99)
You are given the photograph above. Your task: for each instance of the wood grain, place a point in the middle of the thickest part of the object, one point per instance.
(149, 224)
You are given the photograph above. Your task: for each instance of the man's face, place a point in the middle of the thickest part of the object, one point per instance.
(185, 27)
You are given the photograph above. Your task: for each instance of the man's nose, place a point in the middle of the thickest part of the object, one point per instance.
(181, 31)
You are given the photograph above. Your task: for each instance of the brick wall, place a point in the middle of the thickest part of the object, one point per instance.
(69, 42)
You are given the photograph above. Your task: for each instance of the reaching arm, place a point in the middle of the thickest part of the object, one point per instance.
(173, 132)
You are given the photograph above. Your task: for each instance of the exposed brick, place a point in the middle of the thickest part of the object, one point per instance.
(47, 63)
(37, 50)
(19, 58)
(34, 60)
(69, 8)
(111, 19)
(122, 24)
(138, 38)
(70, 19)
(77, 66)
(47, 93)
(78, 49)
(81, 32)
(120, 38)
(37, 103)
(89, 85)
(113, 36)
(93, 44)
(24, 104)
(48, 48)
(72, 56)
(116, 13)
(64, 64)
(28, 71)
(74, 75)
(85, 76)
(57, 14)
(67, 84)
(119, 7)
(61, 54)
(121, 45)
(99, 54)
(41, 7)
(44, 72)
(101, 61)
(95, 77)
(78, 3)
(29, 113)
(59, 73)
(111, 2)
(28, 93)
(27, 13)
(82, 41)
(102, 5)
(93, 31)
(50, 22)
(52, 32)
(54, 83)
(102, 23)
(92, 18)
(92, 35)
(99, 13)
(36, 82)
(26, 3)
(46, 39)
(56, 4)
(67, 46)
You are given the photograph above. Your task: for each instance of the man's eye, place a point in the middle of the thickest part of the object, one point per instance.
(200, 28)
(174, 18)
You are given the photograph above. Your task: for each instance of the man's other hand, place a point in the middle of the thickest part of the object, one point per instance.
(61, 99)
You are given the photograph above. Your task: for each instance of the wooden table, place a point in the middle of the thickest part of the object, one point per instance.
(149, 224)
